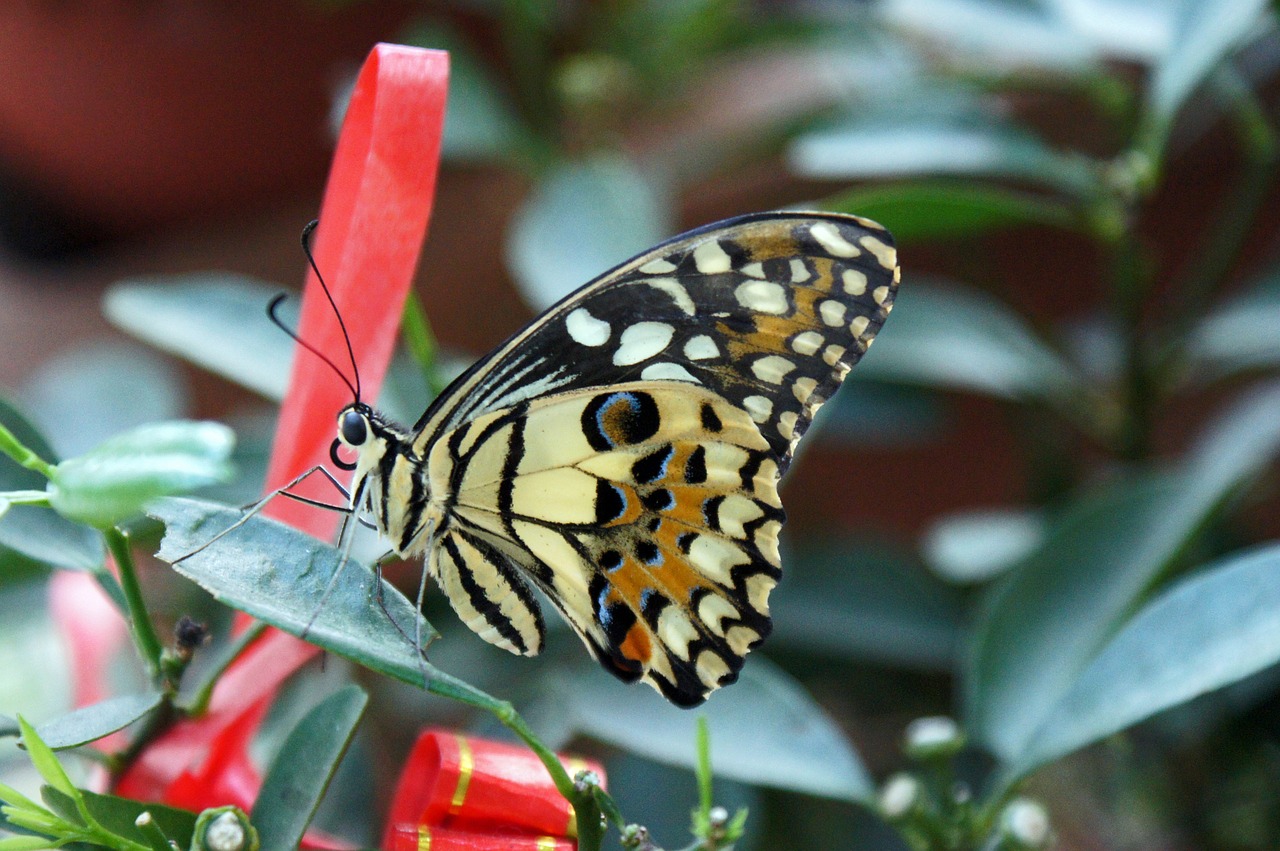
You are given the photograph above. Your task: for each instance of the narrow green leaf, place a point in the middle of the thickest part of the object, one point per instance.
(65, 807)
(90, 723)
(216, 321)
(38, 533)
(302, 769)
(280, 575)
(936, 210)
(950, 336)
(119, 816)
(114, 481)
(25, 843)
(765, 729)
(45, 762)
(975, 546)
(1239, 334)
(1045, 625)
(1206, 33)
(13, 798)
(580, 220)
(1208, 631)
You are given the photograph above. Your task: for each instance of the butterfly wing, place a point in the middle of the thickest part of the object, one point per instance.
(769, 311)
(647, 511)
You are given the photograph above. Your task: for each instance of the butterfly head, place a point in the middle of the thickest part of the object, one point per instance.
(364, 432)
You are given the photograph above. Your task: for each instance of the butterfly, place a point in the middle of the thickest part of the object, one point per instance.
(621, 453)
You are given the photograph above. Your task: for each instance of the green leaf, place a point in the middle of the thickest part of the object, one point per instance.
(582, 219)
(93, 392)
(1206, 33)
(90, 723)
(45, 762)
(302, 769)
(888, 146)
(114, 481)
(765, 729)
(216, 321)
(24, 843)
(1045, 625)
(280, 575)
(38, 533)
(1240, 334)
(1210, 630)
(946, 335)
(9, 727)
(119, 816)
(941, 210)
(853, 598)
(976, 546)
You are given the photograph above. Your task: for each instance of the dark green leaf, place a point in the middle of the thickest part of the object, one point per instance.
(1045, 625)
(90, 723)
(119, 815)
(62, 805)
(302, 769)
(217, 321)
(765, 729)
(886, 146)
(38, 533)
(856, 599)
(584, 218)
(875, 413)
(945, 335)
(280, 575)
(1208, 631)
(114, 481)
(1205, 34)
(934, 210)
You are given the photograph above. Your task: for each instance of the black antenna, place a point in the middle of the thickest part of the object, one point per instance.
(306, 248)
(279, 323)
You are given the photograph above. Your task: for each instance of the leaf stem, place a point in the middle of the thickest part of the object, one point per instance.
(203, 693)
(418, 337)
(12, 447)
(144, 635)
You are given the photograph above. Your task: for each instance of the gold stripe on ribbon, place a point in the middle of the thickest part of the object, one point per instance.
(424, 838)
(466, 765)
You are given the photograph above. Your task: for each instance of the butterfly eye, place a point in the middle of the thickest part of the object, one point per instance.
(354, 430)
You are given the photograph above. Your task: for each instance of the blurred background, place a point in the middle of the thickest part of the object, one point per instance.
(1084, 200)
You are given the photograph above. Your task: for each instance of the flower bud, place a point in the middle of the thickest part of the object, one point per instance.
(1024, 824)
(933, 738)
(899, 797)
(224, 829)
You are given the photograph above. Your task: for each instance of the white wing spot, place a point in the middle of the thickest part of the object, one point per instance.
(787, 424)
(799, 271)
(832, 355)
(832, 312)
(880, 294)
(585, 329)
(673, 288)
(701, 347)
(803, 388)
(754, 270)
(886, 254)
(829, 238)
(855, 281)
(667, 371)
(758, 408)
(642, 341)
(762, 296)
(659, 266)
(710, 258)
(859, 325)
(807, 342)
(771, 368)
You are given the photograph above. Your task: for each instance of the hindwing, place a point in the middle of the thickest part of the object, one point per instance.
(648, 512)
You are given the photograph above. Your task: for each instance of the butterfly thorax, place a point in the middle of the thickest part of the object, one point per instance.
(389, 483)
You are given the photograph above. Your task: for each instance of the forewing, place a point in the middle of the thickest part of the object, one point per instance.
(647, 511)
(769, 311)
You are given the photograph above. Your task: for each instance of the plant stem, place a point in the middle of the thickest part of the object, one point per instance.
(199, 702)
(421, 342)
(1130, 285)
(144, 635)
(12, 447)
